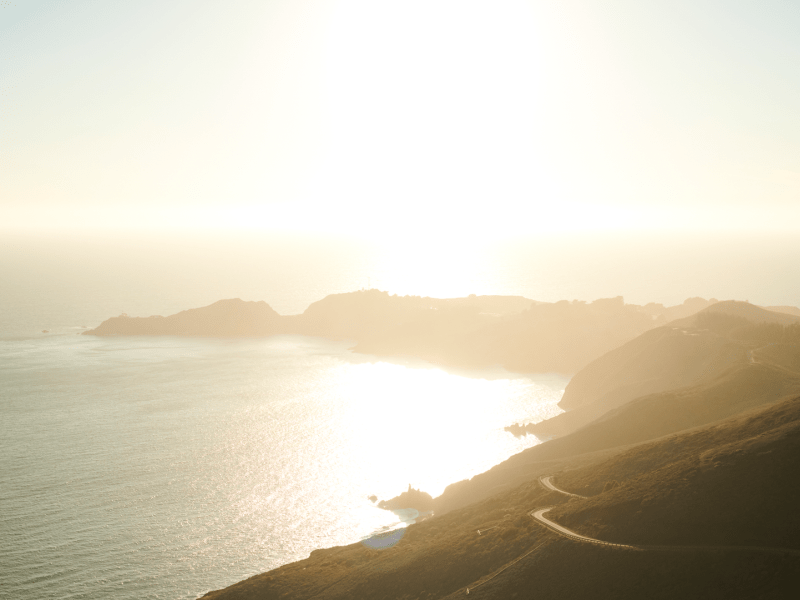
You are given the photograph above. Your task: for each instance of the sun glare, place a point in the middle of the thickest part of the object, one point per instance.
(430, 110)
(400, 418)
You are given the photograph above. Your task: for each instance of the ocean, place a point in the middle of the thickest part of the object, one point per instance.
(166, 467)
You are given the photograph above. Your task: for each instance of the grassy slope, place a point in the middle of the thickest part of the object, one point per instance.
(733, 483)
(564, 570)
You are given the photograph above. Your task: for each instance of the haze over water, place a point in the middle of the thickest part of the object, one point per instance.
(53, 280)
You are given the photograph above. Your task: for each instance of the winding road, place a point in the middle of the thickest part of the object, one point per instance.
(548, 483)
(538, 514)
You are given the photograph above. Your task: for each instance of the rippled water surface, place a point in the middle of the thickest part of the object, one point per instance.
(165, 467)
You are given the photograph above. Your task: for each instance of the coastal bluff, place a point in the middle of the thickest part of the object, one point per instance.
(225, 318)
(516, 333)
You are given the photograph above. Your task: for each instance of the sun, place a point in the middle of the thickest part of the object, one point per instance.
(430, 112)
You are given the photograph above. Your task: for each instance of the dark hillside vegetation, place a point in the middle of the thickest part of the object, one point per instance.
(786, 356)
(733, 483)
(693, 493)
(565, 570)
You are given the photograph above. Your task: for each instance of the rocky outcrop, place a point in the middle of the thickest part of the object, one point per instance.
(416, 499)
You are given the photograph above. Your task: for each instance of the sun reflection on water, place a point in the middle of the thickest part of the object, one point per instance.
(230, 457)
(398, 426)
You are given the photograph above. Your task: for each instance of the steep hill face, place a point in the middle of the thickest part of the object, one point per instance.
(661, 359)
(685, 352)
(658, 360)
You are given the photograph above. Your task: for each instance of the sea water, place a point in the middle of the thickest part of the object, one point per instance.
(159, 467)
(165, 467)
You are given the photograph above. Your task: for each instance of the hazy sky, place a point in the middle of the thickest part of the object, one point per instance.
(390, 117)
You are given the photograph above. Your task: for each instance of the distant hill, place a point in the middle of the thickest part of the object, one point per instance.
(228, 318)
(519, 334)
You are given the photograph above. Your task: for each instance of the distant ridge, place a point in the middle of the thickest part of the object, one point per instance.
(745, 310)
(516, 333)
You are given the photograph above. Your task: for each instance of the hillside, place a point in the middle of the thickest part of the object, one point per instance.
(727, 484)
(683, 353)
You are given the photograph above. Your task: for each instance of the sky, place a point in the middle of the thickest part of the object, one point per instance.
(449, 118)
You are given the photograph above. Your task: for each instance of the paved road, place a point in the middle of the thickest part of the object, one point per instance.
(539, 516)
(548, 483)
